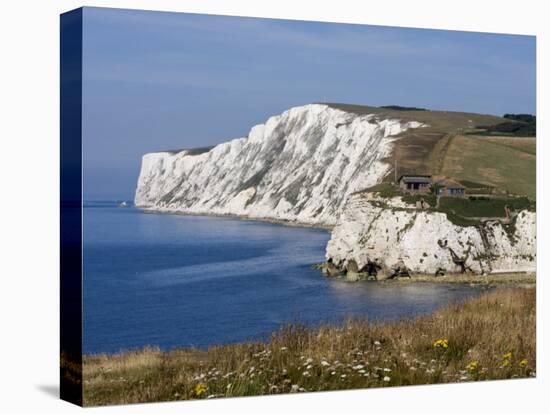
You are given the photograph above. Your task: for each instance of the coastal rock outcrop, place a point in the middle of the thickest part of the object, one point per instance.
(401, 238)
(299, 166)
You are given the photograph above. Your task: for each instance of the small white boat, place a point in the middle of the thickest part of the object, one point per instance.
(123, 204)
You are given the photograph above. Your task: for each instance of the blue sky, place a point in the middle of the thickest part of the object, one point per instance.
(154, 81)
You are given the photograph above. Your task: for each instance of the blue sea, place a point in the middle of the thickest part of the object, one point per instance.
(180, 281)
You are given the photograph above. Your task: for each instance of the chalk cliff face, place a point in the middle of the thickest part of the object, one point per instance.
(299, 166)
(391, 233)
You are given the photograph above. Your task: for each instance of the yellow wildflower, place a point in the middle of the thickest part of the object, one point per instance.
(441, 343)
(523, 363)
(506, 359)
(200, 389)
(473, 366)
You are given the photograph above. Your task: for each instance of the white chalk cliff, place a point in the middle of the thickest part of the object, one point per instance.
(299, 166)
(391, 233)
(305, 166)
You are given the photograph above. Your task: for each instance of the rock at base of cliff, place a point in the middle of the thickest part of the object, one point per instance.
(352, 277)
(399, 270)
(330, 269)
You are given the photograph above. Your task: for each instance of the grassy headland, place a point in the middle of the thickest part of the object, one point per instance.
(490, 337)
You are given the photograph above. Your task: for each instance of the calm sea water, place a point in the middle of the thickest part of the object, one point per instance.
(172, 281)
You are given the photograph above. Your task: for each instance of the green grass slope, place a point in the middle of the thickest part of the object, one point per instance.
(509, 165)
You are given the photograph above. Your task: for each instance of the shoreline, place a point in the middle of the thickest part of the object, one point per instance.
(493, 279)
(328, 270)
(283, 222)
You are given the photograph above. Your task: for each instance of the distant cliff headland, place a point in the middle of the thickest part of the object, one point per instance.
(352, 168)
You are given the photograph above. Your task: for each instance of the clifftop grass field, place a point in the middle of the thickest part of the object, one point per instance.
(502, 162)
(450, 147)
(490, 337)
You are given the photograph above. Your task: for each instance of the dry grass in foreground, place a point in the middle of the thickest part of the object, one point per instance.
(490, 337)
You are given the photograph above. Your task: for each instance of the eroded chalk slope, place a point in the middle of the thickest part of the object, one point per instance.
(299, 166)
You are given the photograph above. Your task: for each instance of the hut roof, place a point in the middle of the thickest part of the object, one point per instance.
(416, 178)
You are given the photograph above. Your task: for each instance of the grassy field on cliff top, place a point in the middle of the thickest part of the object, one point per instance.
(490, 337)
(449, 147)
(505, 163)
